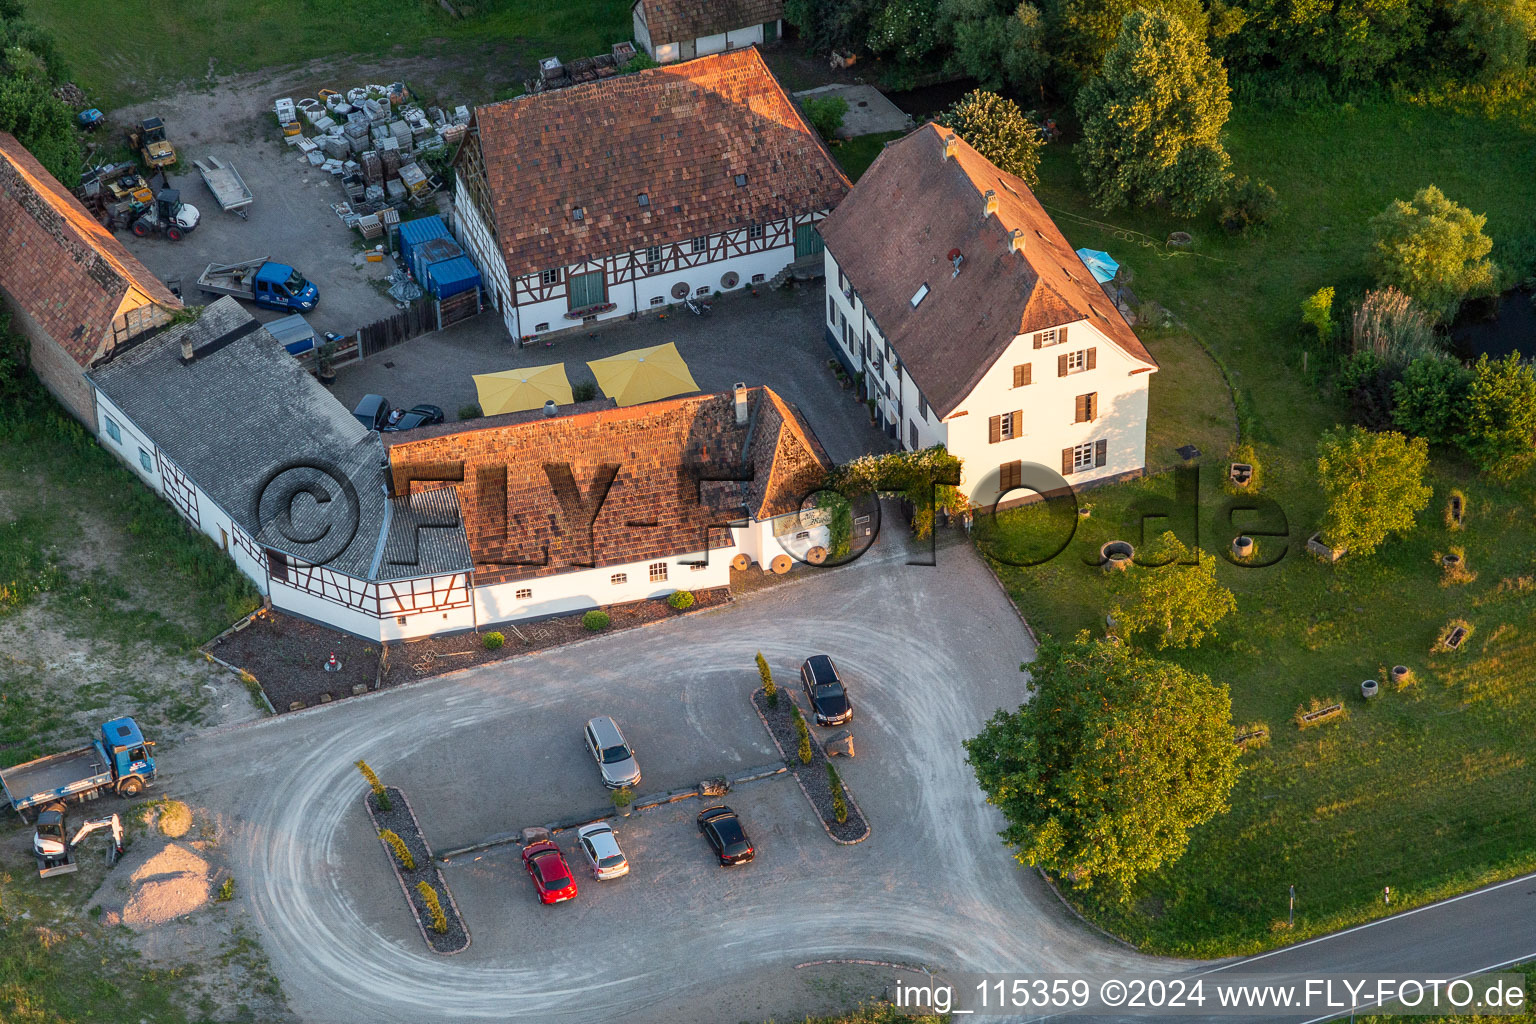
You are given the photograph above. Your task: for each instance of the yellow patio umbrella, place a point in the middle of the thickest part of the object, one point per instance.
(528, 387)
(643, 375)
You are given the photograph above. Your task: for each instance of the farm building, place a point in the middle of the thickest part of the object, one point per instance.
(977, 326)
(631, 193)
(672, 30)
(74, 292)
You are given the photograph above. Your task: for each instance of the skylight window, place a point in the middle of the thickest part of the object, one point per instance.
(578, 213)
(919, 296)
(643, 199)
(741, 179)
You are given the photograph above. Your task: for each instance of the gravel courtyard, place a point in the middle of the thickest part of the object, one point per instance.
(929, 652)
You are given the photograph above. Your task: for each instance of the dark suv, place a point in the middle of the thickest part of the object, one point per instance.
(828, 697)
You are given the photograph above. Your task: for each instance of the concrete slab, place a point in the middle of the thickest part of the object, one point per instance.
(868, 110)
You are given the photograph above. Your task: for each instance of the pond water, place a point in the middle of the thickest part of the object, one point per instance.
(924, 102)
(1497, 329)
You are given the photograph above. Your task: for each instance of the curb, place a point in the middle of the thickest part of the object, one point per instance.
(404, 890)
(1117, 940)
(237, 670)
(807, 793)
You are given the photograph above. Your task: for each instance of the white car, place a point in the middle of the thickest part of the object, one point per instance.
(601, 848)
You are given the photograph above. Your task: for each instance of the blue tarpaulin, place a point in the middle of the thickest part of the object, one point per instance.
(450, 277)
(415, 239)
(1100, 264)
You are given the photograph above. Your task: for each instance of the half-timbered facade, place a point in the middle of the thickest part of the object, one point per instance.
(74, 291)
(672, 30)
(977, 326)
(634, 193)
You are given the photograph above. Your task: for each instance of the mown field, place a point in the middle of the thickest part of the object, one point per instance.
(1428, 789)
(152, 45)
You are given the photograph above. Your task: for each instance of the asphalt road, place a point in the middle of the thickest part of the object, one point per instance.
(929, 652)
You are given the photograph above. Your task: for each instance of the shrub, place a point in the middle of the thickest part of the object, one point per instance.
(1500, 433)
(804, 735)
(1430, 399)
(493, 641)
(681, 600)
(1368, 382)
(380, 795)
(1391, 326)
(1317, 310)
(1179, 602)
(826, 114)
(1433, 249)
(470, 411)
(623, 797)
(641, 61)
(227, 890)
(839, 801)
(770, 688)
(434, 907)
(1248, 205)
(401, 852)
(583, 392)
(596, 620)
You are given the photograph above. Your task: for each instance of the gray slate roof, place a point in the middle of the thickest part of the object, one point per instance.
(243, 414)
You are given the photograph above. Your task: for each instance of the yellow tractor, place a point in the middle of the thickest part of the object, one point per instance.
(147, 140)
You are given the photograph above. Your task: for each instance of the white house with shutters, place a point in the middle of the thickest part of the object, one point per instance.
(635, 192)
(977, 326)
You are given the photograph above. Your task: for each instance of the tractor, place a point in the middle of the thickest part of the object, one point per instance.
(149, 142)
(55, 848)
(168, 216)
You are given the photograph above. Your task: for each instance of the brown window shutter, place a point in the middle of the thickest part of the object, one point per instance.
(995, 429)
(1061, 335)
(1093, 357)
(1100, 452)
(1061, 365)
(1037, 341)
(1011, 475)
(1066, 462)
(1029, 373)
(1018, 422)
(1080, 409)
(1093, 406)
(1021, 374)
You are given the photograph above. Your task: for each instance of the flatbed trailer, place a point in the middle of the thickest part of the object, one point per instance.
(119, 760)
(228, 188)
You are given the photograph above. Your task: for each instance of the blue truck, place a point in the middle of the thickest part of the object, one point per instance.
(120, 760)
(269, 284)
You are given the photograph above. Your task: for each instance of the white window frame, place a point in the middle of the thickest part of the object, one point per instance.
(1077, 362)
(1082, 456)
(1005, 427)
(701, 243)
(755, 229)
(618, 579)
(658, 572)
(524, 594)
(550, 276)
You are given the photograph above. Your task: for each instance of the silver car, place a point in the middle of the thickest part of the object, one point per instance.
(601, 848)
(615, 758)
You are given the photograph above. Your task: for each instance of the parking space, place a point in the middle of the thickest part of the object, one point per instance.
(776, 338)
(928, 652)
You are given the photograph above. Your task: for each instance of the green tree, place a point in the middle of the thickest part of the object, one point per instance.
(1433, 249)
(832, 24)
(1084, 30)
(1114, 759)
(1317, 310)
(1500, 432)
(1430, 399)
(30, 67)
(1492, 38)
(1343, 42)
(997, 129)
(1152, 121)
(825, 113)
(1178, 602)
(998, 43)
(1374, 486)
(906, 31)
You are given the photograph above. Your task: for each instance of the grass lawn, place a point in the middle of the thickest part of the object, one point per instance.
(155, 44)
(1427, 789)
(856, 154)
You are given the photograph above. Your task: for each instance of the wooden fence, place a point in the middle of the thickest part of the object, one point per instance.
(419, 318)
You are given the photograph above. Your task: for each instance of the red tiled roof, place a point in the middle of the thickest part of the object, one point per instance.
(672, 21)
(678, 134)
(895, 231)
(652, 510)
(59, 265)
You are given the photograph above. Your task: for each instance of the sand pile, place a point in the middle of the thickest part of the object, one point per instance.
(172, 883)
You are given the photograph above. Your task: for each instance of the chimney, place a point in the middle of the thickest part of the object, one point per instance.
(741, 403)
(187, 355)
(1016, 240)
(951, 143)
(551, 409)
(989, 203)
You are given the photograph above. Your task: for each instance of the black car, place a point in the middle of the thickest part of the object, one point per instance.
(828, 697)
(722, 827)
(416, 416)
(372, 412)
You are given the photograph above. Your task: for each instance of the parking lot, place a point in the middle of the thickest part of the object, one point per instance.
(928, 654)
(774, 339)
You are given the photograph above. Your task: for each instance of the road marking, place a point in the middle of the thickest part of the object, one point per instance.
(1375, 1002)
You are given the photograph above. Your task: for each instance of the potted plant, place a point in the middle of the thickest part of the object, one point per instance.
(622, 799)
(325, 363)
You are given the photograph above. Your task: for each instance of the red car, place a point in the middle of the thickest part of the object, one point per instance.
(552, 878)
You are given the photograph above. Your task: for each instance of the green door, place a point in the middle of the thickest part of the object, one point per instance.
(586, 289)
(807, 241)
(770, 31)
